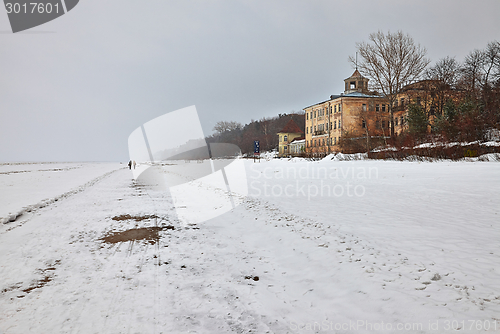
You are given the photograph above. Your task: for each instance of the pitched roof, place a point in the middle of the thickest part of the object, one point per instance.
(291, 127)
(356, 74)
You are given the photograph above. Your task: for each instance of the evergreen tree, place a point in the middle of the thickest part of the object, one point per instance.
(417, 120)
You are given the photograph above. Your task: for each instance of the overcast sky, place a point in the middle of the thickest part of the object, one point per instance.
(74, 88)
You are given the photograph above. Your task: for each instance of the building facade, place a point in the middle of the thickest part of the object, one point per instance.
(431, 95)
(355, 115)
(297, 147)
(286, 136)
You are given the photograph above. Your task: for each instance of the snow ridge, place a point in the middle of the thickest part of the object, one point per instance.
(46, 202)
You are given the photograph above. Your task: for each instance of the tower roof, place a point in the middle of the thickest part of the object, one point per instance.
(356, 74)
(291, 127)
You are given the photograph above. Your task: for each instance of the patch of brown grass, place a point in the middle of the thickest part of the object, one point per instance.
(136, 218)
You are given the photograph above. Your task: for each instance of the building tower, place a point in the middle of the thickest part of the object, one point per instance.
(356, 83)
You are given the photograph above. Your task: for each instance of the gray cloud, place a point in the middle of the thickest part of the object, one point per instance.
(109, 66)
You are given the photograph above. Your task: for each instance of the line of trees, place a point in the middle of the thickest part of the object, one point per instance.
(474, 112)
(264, 130)
(469, 91)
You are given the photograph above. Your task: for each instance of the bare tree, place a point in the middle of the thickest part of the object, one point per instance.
(224, 126)
(446, 71)
(444, 76)
(491, 63)
(489, 79)
(472, 71)
(391, 61)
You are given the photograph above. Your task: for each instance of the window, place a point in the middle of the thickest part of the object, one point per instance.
(285, 148)
(352, 85)
(323, 141)
(284, 138)
(335, 124)
(364, 107)
(307, 116)
(335, 140)
(363, 124)
(383, 107)
(335, 109)
(383, 124)
(311, 129)
(326, 126)
(339, 123)
(377, 107)
(340, 108)
(402, 120)
(314, 113)
(315, 142)
(377, 124)
(307, 130)
(311, 114)
(402, 102)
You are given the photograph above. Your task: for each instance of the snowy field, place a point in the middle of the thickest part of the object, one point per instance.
(316, 247)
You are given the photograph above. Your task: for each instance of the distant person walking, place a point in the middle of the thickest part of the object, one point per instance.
(134, 164)
(130, 164)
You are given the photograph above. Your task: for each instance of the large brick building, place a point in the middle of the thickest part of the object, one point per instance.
(353, 115)
(431, 95)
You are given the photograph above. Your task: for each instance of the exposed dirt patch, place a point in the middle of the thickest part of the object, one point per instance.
(150, 234)
(48, 276)
(136, 218)
(40, 284)
(13, 287)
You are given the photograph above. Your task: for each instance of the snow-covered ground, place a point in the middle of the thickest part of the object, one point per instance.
(28, 186)
(330, 246)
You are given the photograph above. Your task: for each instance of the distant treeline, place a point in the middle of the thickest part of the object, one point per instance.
(264, 130)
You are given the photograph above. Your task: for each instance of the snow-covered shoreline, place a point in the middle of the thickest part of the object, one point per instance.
(29, 186)
(316, 247)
